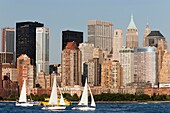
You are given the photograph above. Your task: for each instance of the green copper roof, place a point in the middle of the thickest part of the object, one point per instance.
(132, 24)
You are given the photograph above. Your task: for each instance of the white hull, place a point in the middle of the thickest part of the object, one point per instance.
(24, 104)
(84, 108)
(54, 108)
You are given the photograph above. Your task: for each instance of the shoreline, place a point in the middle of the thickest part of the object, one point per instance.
(75, 102)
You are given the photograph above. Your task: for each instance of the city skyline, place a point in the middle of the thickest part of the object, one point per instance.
(74, 15)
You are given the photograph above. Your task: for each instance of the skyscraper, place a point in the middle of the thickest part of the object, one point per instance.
(42, 50)
(145, 64)
(86, 51)
(156, 39)
(8, 40)
(146, 33)
(26, 39)
(71, 36)
(127, 61)
(100, 33)
(71, 65)
(118, 43)
(132, 35)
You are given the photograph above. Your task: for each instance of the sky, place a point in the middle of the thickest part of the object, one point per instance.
(59, 15)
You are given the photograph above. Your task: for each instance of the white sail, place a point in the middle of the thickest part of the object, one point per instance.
(84, 97)
(53, 96)
(23, 96)
(61, 99)
(92, 99)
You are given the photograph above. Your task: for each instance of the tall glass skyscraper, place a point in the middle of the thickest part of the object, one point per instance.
(42, 50)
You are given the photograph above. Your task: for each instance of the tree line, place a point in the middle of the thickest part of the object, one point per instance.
(99, 97)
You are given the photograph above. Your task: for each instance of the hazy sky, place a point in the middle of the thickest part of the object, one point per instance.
(59, 15)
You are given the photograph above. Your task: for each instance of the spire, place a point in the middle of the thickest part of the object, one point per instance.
(132, 24)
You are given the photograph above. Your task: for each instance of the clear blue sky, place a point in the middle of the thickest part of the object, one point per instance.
(59, 15)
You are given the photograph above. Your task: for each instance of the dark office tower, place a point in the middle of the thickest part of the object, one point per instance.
(26, 39)
(71, 36)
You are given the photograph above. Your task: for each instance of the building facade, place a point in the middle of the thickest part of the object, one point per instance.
(71, 36)
(8, 40)
(132, 35)
(26, 39)
(145, 63)
(127, 61)
(7, 57)
(118, 43)
(164, 78)
(100, 33)
(71, 65)
(42, 50)
(111, 75)
(25, 72)
(86, 52)
(146, 33)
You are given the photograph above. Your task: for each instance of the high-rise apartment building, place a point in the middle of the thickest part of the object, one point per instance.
(42, 50)
(25, 72)
(71, 36)
(146, 33)
(118, 43)
(8, 40)
(127, 62)
(71, 65)
(145, 63)
(86, 52)
(164, 78)
(100, 33)
(132, 35)
(111, 74)
(26, 39)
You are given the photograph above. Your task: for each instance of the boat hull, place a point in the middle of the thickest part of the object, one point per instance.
(54, 108)
(24, 104)
(84, 108)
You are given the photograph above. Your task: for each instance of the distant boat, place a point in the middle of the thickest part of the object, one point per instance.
(83, 104)
(23, 97)
(53, 102)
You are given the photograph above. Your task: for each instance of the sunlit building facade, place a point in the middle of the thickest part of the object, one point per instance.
(42, 50)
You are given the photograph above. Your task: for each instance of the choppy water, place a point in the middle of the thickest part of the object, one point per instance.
(9, 107)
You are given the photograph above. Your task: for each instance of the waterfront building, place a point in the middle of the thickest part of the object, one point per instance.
(132, 35)
(86, 52)
(127, 61)
(100, 33)
(71, 65)
(25, 72)
(26, 39)
(146, 33)
(42, 50)
(118, 43)
(145, 64)
(0, 76)
(164, 78)
(111, 74)
(156, 39)
(71, 36)
(7, 40)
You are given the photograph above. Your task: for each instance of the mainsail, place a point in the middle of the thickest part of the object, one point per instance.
(23, 97)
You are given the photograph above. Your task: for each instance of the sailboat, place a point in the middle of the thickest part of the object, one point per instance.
(23, 97)
(83, 104)
(53, 102)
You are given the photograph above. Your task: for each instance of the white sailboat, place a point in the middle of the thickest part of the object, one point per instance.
(83, 104)
(23, 97)
(53, 102)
